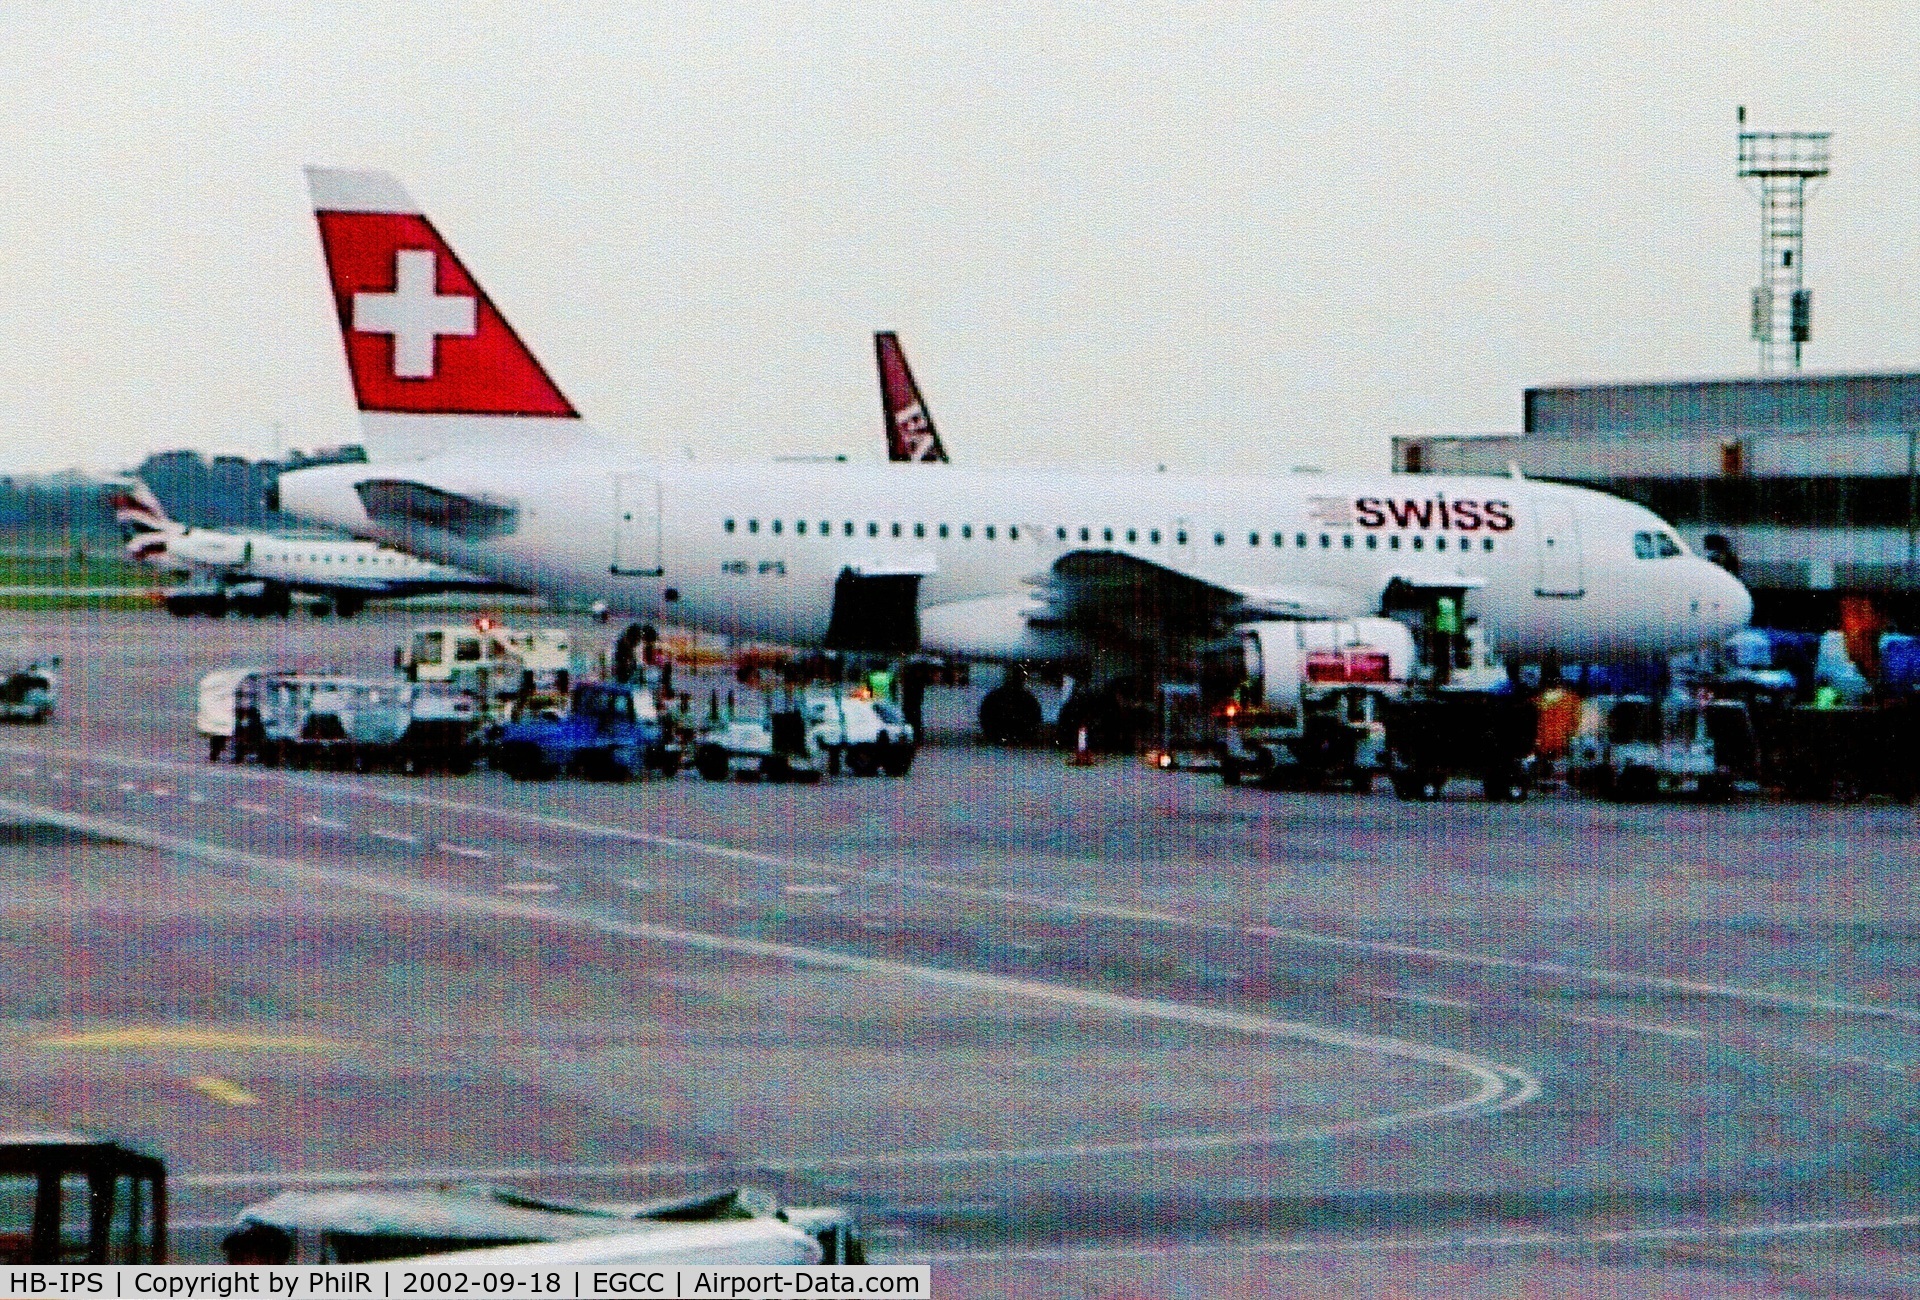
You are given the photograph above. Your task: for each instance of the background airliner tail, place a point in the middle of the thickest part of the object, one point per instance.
(144, 523)
(910, 432)
(435, 366)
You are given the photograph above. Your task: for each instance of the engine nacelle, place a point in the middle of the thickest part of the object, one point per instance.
(1280, 656)
(993, 628)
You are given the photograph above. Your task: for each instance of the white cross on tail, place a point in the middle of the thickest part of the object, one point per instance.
(414, 313)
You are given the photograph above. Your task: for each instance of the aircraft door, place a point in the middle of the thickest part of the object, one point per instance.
(1557, 540)
(636, 526)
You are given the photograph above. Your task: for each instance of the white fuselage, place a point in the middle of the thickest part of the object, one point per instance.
(303, 563)
(756, 549)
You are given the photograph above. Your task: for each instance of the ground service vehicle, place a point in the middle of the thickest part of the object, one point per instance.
(30, 692)
(1845, 752)
(1186, 738)
(362, 724)
(824, 730)
(738, 1224)
(69, 1198)
(1633, 747)
(855, 731)
(609, 731)
(228, 715)
(509, 670)
(1305, 700)
(777, 747)
(1435, 735)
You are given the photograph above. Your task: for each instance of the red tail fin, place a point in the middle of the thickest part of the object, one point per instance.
(422, 337)
(910, 432)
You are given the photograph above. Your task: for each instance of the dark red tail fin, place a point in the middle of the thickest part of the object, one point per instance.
(910, 432)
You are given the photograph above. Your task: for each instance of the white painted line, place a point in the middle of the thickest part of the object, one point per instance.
(1081, 907)
(326, 823)
(529, 887)
(1497, 1086)
(1634, 1026)
(1077, 907)
(394, 837)
(91, 780)
(257, 809)
(58, 774)
(1543, 1013)
(462, 850)
(1437, 1244)
(814, 891)
(21, 769)
(164, 791)
(129, 786)
(194, 796)
(1419, 999)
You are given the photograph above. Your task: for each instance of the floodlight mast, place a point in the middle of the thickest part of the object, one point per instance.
(1782, 162)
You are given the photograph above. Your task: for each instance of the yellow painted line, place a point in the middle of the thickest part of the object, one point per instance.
(137, 1036)
(222, 1090)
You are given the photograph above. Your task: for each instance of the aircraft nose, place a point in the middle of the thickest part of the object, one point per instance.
(1724, 598)
(1739, 602)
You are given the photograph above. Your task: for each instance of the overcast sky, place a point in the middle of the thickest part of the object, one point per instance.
(1208, 235)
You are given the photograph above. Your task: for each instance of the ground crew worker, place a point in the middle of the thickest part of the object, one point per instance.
(1446, 631)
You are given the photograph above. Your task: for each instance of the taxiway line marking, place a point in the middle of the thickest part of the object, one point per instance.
(257, 809)
(326, 823)
(222, 1090)
(189, 1037)
(1499, 1086)
(462, 850)
(1435, 1244)
(1544, 1013)
(394, 837)
(1107, 911)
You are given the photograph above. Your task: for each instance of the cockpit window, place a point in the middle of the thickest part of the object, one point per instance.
(1654, 546)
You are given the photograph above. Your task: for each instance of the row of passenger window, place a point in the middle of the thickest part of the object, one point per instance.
(990, 532)
(1112, 536)
(322, 558)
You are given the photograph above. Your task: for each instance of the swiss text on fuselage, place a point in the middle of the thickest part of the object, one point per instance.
(1466, 516)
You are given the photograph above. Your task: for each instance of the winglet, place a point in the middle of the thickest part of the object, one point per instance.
(910, 432)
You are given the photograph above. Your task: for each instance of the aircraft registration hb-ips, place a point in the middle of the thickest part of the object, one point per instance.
(990, 564)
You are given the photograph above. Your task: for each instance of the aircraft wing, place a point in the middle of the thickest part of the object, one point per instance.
(1120, 598)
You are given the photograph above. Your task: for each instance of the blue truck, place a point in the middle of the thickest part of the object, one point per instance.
(609, 732)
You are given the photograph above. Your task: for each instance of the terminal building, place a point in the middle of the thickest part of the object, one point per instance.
(1805, 486)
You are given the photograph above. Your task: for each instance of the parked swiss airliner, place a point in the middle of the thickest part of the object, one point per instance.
(1066, 564)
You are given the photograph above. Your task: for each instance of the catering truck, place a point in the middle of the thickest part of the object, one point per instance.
(1300, 701)
(511, 671)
